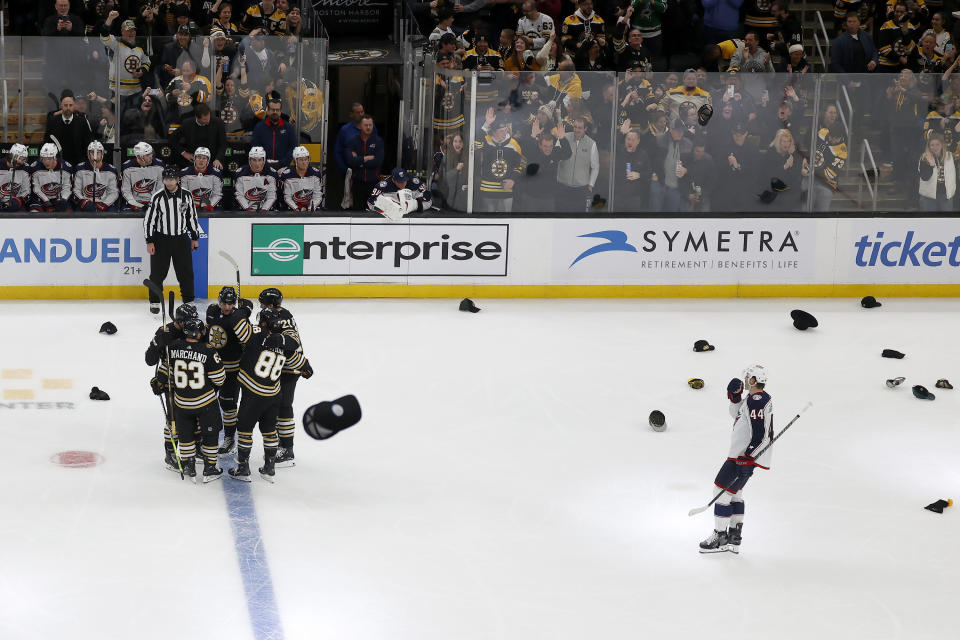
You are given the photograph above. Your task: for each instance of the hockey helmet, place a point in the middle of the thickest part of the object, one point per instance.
(271, 296)
(273, 341)
(202, 151)
(18, 151)
(171, 173)
(270, 318)
(193, 328)
(754, 371)
(48, 150)
(257, 152)
(185, 312)
(95, 148)
(228, 295)
(300, 152)
(142, 149)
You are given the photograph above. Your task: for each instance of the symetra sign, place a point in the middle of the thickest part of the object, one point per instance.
(379, 249)
(906, 250)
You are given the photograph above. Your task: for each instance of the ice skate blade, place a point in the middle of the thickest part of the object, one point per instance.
(268, 478)
(207, 479)
(733, 548)
(717, 550)
(285, 464)
(240, 478)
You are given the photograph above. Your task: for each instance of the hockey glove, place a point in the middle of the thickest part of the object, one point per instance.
(246, 304)
(156, 386)
(13, 204)
(306, 371)
(734, 390)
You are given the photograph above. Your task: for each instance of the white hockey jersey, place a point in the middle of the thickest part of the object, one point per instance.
(539, 31)
(206, 188)
(752, 427)
(138, 184)
(95, 186)
(302, 194)
(132, 58)
(50, 185)
(255, 191)
(14, 185)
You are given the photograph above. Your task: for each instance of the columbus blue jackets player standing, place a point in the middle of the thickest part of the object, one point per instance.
(752, 431)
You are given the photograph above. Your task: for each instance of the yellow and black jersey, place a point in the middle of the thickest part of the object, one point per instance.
(936, 122)
(254, 18)
(228, 334)
(758, 15)
(842, 7)
(296, 360)
(577, 27)
(678, 96)
(894, 44)
(448, 102)
(195, 374)
(498, 162)
(565, 86)
(633, 108)
(829, 160)
(729, 47)
(263, 362)
(473, 59)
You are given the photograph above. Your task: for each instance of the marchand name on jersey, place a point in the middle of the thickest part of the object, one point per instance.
(187, 354)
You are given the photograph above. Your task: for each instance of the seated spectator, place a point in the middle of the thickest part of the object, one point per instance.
(302, 183)
(788, 32)
(750, 57)
(631, 54)
(523, 57)
(262, 64)
(699, 176)
(505, 46)
(481, 56)
(152, 30)
(14, 179)
(927, 60)
(203, 181)
(632, 174)
(52, 181)
(255, 184)
(203, 130)
(364, 153)
(785, 164)
(276, 136)
(95, 182)
(224, 53)
(71, 129)
(853, 51)
(938, 176)
(582, 26)
(141, 177)
(294, 25)
(590, 57)
(535, 25)
(449, 44)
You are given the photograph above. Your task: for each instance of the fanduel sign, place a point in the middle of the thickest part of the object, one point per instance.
(59, 250)
(384, 249)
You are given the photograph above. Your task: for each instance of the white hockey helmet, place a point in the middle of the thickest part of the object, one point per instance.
(754, 371)
(300, 152)
(257, 152)
(18, 151)
(142, 149)
(95, 147)
(48, 150)
(202, 151)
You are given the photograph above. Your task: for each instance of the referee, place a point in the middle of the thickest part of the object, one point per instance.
(172, 231)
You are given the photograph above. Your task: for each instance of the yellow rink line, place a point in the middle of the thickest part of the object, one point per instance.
(511, 291)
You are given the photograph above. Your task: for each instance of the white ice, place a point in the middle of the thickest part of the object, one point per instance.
(503, 482)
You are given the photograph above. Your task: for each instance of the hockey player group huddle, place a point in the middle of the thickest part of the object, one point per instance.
(201, 369)
(52, 184)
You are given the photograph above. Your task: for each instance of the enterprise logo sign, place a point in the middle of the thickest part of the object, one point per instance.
(333, 249)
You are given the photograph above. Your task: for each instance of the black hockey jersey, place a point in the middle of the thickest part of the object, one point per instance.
(263, 362)
(164, 336)
(196, 373)
(228, 334)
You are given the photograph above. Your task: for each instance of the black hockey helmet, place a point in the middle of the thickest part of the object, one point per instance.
(270, 318)
(228, 295)
(185, 312)
(273, 341)
(171, 172)
(271, 296)
(193, 328)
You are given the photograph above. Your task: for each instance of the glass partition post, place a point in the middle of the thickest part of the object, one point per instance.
(471, 155)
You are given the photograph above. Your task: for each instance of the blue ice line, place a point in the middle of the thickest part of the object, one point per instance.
(257, 584)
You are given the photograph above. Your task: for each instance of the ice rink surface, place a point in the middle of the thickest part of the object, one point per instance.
(503, 482)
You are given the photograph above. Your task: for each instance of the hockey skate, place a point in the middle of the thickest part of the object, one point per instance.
(170, 461)
(229, 445)
(284, 458)
(267, 471)
(211, 472)
(189, 470)
(241, 472)
(716, 543)
(734, 537)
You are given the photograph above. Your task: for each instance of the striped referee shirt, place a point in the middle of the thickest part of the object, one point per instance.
(171, 214)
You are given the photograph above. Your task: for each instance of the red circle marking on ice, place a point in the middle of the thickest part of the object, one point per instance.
(76, 459)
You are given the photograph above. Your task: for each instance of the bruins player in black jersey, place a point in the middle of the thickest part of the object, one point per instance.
(229, 331)
(293, 370)
(264, 358)
(165, 335)
(195, 374)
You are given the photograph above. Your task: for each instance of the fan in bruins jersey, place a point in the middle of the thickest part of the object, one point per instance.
(264, 358)
(173, 330)
(229, 331)
(271, 300)
(448, 96)
(195, 374)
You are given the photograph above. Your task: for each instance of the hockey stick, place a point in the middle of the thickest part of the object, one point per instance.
(157, 290)
(697, 510)
(236, 268)
(169, 306)
(56, 143)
